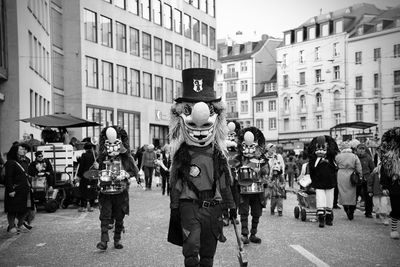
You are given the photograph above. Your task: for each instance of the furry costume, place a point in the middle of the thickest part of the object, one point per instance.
(390, 174)
(322, 152)
(252, 172)
(116, 160)
(200, 177)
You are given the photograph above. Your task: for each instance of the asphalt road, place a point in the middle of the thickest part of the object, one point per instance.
(69, 238)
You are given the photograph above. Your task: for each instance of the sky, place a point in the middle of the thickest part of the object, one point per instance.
(273, 17)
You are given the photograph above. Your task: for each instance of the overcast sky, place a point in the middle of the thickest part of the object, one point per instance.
(275, 16)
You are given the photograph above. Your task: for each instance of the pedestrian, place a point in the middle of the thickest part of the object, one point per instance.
(322, 152)
(165, 163)
(367, 165)
(17, 196)
(87, 186)
(347, 162)
(291, 170)
(200, 177)
(381, 201)
(390, 174)
(148, 165)
(42, 166)
(276, 186)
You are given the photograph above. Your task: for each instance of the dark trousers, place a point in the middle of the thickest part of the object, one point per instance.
(335, 196)
(113, 207)
(201, 230)
(87, 191)
(290, 176)
(20, 216)
(252, 201)
(148, 176)
(165, 183)
(363, 192)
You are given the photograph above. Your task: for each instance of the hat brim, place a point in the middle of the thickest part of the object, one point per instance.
(203, 99)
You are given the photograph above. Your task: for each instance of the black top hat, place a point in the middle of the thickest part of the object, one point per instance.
(198, 85)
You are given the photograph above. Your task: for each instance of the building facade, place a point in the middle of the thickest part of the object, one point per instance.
(311, 74)
(244, 71)
(374, 71)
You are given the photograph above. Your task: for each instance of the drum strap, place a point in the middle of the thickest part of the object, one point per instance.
(201, 195)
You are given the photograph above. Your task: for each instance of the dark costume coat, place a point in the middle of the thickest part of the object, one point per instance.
(16, 179)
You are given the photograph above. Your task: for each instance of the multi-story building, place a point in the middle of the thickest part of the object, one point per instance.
(117, 62)
(373, 71)
(25, 68)
(246, 70)
(311, 74)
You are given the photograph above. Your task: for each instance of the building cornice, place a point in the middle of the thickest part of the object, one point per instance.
(374, 34)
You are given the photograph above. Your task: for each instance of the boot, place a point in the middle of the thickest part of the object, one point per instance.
(255, 239)
(117, 244)
(245, 240)
(329, 219)
(321, 219)
(102, 245)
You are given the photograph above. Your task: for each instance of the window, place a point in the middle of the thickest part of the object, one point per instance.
(376, 80)
(376, 112)
(204, 62)
(134, 82)
(318, 77)
(396, 110)
(284, 60)
(337, 118)
(336, 72)
(120, 36)
(260, 124)
(231, 86)
(121, 80)
(91, 72)
(158, 96)
(259, 106)
(302, 101)
(211, 8)
(358, 57)
(244, 106)
(103, 116)
(243, 66)
(134, 42)
(318, 98)
(196, 60)
(203, 6)
(146, 46)
(158, 134)
(204, 34)
(196, 30)
(377, 54)
(178, 86)
(243, 86)
(288, 40)
(106, 31)
(178, 57)
(301, 56)
(396, 76)
(335, 49)
(285, 81)
(336, 99)
(147, 86)
(168, 16)
(169, 90)
(311, 33)
(120, 3)
(133, 6)
(178, 21)
(158, 12)
(212, 63)
(146, 12)
(325, 29)
(107, 76)
(339, 26)
(359, 83)
(212, 38)
(168, 54)
(319, 121)
(359, 113)
(130, 121)
(158, 53)
(187, 26)
(272, 105)
(286, 124)
(302, 78)
(396, 50)
(188, 59)
(286, 103)
(303, 123)
(299, 36)
(90, 21)
(317, 53)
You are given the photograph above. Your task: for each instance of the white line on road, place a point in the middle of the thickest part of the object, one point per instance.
(308, 255)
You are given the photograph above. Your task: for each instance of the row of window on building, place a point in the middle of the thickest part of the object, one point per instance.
(39, 105)
(40, 11)
(377, 54)
(39, 58)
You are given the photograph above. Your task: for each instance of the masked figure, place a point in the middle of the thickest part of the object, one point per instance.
(116, 167)
(199, 176)
(323, 170)
(252, 175)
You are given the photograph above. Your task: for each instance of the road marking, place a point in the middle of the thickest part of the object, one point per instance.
(308, 255)
(8, 242)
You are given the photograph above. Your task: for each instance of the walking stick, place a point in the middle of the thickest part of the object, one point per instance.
(242, 257)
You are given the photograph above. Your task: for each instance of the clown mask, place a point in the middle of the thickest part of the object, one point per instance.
(114, 146)
(321, 147)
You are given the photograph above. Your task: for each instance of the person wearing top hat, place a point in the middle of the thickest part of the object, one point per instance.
(43, 166)
(87, 188)
(199, 176)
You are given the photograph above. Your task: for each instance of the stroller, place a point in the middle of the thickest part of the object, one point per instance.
(42, 195)
(306, 199)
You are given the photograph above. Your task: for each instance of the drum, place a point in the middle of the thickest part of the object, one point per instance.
(253, 188)
(246, 176)
(39, 182)
(113, 183)
(105, 176)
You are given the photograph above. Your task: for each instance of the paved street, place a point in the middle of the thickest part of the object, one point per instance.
(68, 238)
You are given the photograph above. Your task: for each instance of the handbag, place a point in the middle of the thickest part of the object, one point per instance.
(355, 178)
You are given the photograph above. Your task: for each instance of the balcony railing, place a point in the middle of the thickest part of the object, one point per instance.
(231, 75)
(358, 94)
(230, 95)
(232, 115)
(285, 112)
(336, 106)
(396, 89)
(318, 108)
(302, 110)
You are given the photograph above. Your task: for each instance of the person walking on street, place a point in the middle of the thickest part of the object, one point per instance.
(291, 170)
(368, 166)
(347, 162)
(381, 201)
(165, 163)
(148, 165)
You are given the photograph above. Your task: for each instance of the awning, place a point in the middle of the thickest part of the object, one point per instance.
(355, 125)
(60, 120)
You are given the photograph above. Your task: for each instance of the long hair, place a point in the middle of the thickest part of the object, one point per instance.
(13, 152)
(331, 152)
(390, 152)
